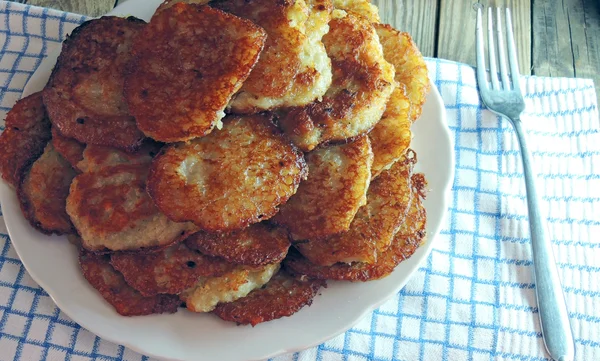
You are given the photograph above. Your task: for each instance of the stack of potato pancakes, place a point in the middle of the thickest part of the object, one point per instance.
(230, 156)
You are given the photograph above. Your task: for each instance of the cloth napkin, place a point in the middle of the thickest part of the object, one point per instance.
(474, 297)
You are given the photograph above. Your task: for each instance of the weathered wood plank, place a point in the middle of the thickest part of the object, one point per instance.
(85, 7)
(456, 40)
(418, 18)
(566, 39)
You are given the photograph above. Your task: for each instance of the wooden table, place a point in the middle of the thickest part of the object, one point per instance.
(554, 37)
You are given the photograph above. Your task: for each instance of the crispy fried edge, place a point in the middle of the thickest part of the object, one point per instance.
(70, 37)
(65, 146)
(160, 304)
(183, 133)
(129, 269)
(281, 217)
(156, 169)
(261, 306)
(406, 241)
(206, 243)
(27, 207)
(13, 172)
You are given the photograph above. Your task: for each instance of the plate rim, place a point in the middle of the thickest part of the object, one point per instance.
(419, 257)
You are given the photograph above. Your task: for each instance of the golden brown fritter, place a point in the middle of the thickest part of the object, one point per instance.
(68, 148)
(374, 225)
(43, 193)
(96, 157)
(189, 61)
(293, 69)
(326, 203)
(228, 179)
(406, 241)
(282, 296)
(26, 133)
(257, 245)
(391, 137)
(411, 69)
(172, 270)
(84, 96)
(362, 84)
(363, 8)
(111, 285)
(112, 211)
(210, 291)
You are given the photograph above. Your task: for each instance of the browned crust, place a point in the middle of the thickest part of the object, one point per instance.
(411, 70)
(362, 8)
(84, 96)
(141, 250)
(43, 193)
(228, 163)
(406, 242)
(337, 183)
(112, 286)
(97, 157)
(188, 63)
(171, 271)
(68, 148)
(111, 209)
(362, 82)
(260, 244)
(391, 137)
(26, 133)
(373, 226)
(282, 296)
(279, 63)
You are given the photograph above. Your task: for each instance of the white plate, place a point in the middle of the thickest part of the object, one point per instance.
(52, 262)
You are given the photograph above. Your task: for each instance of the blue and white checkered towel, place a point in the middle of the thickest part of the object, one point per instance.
(473, 299)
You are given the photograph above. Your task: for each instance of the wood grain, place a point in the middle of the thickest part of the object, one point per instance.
(418, 18)
(86, 7)
(566, 38)
(456, 40)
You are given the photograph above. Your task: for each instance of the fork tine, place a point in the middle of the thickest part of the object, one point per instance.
(492, 51)
(501, 52)
(512, 52)
(481, 72)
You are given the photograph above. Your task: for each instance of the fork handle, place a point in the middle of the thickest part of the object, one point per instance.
(556, 329)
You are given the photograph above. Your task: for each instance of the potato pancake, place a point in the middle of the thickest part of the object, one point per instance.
(68, 148)
(411, 69)
(363, 8)
(189, 61)
(172, 270)
(326, 203)
(210, 291)
(374, 225)
(97, 157)
(257, 245)
(84, 95)
(112, 286)
(293, 69)
(362, 84)
(26, 133)
(406, 241)
(112, 211)
(282, 296)
(229, 179)
(43, 193)
(391, 137)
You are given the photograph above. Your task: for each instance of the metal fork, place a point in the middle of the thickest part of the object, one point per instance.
(505, 99)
